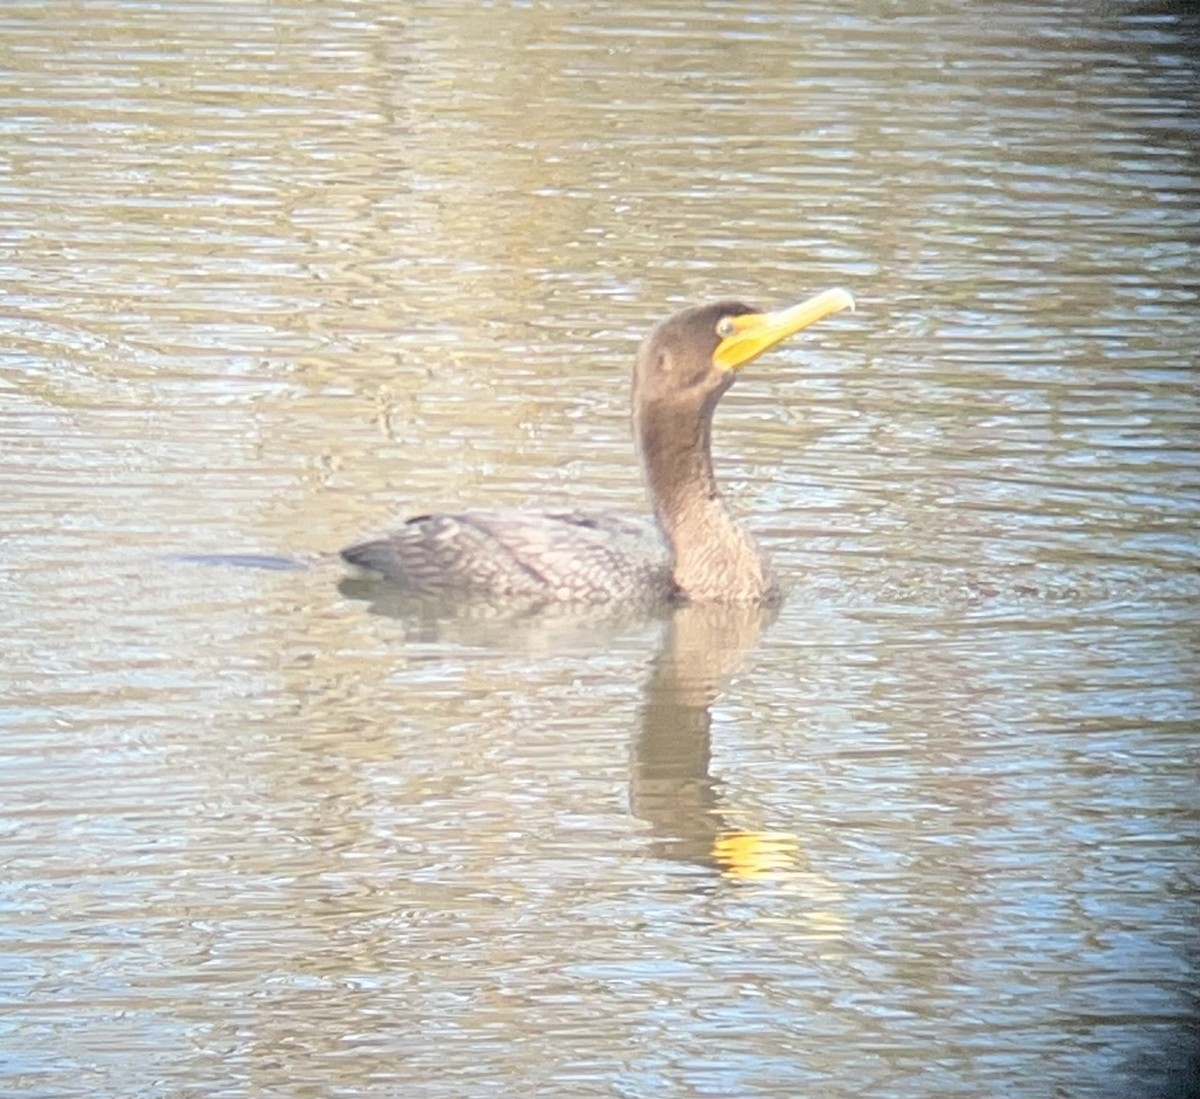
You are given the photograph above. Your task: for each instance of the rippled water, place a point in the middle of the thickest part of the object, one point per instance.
(271, 273)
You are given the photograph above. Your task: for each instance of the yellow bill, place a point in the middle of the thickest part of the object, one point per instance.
(748, 336)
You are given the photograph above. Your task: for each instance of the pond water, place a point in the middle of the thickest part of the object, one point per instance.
(271, 274)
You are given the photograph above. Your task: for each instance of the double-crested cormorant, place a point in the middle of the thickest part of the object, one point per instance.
(693, 551)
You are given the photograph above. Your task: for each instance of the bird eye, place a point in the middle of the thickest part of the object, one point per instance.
(725, 327)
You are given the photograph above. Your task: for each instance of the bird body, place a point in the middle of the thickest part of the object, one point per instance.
(507, 553)
(694, 550)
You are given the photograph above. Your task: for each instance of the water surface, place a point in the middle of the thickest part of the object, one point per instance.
(274, 273)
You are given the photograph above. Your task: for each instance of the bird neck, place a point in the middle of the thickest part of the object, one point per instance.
(712, 557)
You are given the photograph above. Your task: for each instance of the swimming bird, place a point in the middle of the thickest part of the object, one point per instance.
(693, 550)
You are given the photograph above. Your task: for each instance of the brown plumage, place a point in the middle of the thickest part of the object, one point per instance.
(694, 550)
